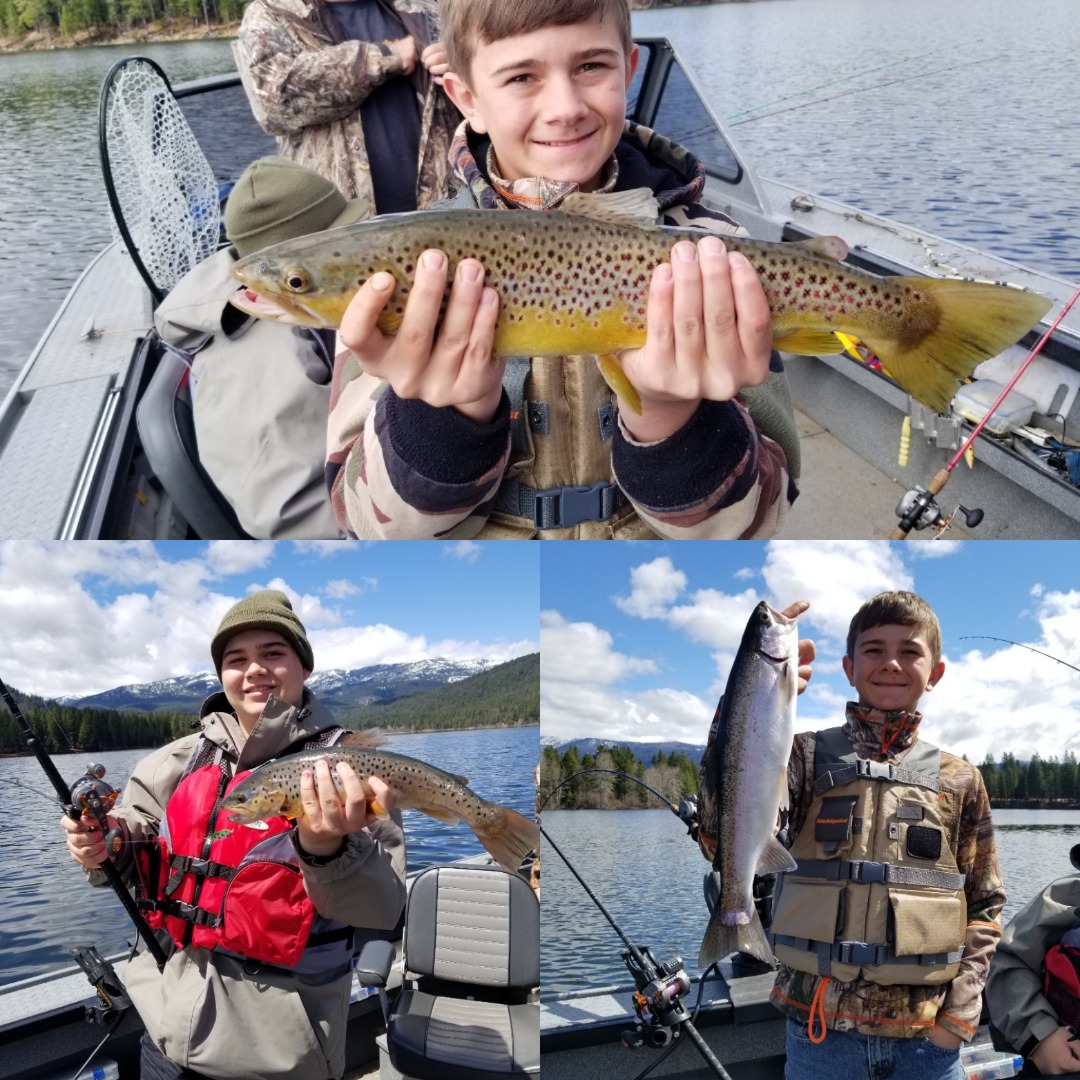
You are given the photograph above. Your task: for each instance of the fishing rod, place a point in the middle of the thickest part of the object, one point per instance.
(95, 798)
(659, 986)
(988, 637)
(918, 509)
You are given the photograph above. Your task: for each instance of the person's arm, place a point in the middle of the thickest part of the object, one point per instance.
(419, 431)
(1014, 987)
(294, 85)
(976, 857)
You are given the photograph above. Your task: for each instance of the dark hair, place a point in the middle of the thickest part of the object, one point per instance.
(466, 23)
(897, 608)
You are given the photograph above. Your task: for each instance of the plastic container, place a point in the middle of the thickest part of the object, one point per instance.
(995, 1067)
(973, 401)
(102, 1069)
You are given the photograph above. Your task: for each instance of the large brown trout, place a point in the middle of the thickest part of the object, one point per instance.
(274, 789)
(751, 748)
(576, 280)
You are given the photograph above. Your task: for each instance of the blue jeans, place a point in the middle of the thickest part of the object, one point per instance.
(845, 1055)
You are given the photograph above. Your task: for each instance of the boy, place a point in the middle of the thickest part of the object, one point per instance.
(885, 931)
(1016, 991)
(424, 441)
(225, 1008)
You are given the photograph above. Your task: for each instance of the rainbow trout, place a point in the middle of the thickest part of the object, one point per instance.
(751, 748)
(274, 789)
(576, 280)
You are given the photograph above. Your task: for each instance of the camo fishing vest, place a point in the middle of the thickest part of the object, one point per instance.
(212, 883)
(877, 893)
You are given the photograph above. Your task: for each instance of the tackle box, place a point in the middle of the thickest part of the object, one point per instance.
(974, 399)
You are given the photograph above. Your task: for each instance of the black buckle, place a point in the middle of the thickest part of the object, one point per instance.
(860, 953)
(572, 506)
(868, 872)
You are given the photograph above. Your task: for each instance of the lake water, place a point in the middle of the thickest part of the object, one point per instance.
(649, 874)
(962, 117)
(46, 905)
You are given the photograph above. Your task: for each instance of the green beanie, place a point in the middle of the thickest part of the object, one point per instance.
(276, 199)
(265, 610)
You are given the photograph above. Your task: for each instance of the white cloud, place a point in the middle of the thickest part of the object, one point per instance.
(227, 557)
(654, 586)
(466, 551)
(341, 588)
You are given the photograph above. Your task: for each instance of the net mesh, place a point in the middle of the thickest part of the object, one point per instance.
(165, 187)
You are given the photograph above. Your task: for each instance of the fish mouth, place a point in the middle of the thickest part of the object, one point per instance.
(275, 309)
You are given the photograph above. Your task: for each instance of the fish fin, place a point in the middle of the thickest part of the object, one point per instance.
(824, 247)
(723, 938)
(507, 835)
(378, 809)
(805, 342)
(775, 858)
(616, 378)
(950, 327)
(462, 780)
(366, 739)
(637, 207)
(849, 344)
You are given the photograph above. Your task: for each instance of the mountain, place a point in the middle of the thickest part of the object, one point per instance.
(644, 752)
(337, 689)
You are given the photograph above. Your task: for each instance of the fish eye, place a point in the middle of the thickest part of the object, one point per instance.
(296, 279)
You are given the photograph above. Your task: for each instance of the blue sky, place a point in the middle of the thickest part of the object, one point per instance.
(637, 638)
(78, 618)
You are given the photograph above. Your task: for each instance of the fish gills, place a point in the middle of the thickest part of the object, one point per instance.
(273, 789)
(751, 750)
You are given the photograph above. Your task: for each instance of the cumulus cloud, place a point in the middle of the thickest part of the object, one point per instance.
(654, 586)
(466, 551)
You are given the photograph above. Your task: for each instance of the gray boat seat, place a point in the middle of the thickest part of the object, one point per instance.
(471, 954)
(167, 432)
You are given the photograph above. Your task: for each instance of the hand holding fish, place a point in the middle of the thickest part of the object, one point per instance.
(452, 368)
(328, 815)
(708, 335)
(807, 650)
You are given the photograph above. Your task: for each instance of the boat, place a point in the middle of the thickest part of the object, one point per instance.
(127, 465)
(57, 1026)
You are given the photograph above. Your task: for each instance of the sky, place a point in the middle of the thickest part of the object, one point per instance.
(637, 638)
(81, 617)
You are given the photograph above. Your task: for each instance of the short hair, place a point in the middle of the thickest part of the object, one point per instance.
(465, 23)
(897, 608)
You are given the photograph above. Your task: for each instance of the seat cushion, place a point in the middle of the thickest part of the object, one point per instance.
(447, 1038)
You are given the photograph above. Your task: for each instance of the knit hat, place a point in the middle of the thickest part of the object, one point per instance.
(276, 199)
(265, 610)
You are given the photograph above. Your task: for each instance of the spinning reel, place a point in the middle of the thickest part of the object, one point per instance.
(918, 510)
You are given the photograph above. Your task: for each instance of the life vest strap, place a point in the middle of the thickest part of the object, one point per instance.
(190, 864)
(863, 953)
(866, 873)
(862, 769)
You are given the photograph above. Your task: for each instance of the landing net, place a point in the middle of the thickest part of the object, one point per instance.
(165, 193)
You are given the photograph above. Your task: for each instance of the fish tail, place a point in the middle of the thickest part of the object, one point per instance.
(616, 379)
(723, 938)
(507, 835)
(948, 327)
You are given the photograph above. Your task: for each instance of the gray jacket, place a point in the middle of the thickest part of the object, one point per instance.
(204, 1011)
(260, 397)
(1014, 989)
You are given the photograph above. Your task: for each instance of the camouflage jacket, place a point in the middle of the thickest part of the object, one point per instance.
(403, 469)
(305, 85)
(901, 1011)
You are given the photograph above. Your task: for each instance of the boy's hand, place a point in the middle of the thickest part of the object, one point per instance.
(406, 49)
(330, 815)
(84, 841)
(453, 369)
(1057, 1054)
(944, 1038)
(807, 651)
(709, 335)
(434, 58)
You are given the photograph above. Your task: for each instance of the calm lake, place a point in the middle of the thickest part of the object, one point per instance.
(962, 117)
(648, 873)
(46, 905)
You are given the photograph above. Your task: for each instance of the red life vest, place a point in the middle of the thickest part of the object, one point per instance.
(216, 884)
(1062, 982)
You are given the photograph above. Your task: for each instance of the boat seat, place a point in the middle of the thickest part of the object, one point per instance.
(167, 431)
(471, 955)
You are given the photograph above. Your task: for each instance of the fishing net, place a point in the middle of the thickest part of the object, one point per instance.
(162, 190)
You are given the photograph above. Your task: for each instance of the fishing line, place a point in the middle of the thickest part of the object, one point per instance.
(613, 772)
(988, 637)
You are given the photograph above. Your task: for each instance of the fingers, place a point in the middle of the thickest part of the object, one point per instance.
(795, 609)
(753, 319)
(85, 843)
(381, 793)
(359, 331)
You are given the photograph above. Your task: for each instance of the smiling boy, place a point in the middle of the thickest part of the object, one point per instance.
(429, 438)
(885, 931)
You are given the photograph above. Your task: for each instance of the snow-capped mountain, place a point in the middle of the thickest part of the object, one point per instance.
(335, 688)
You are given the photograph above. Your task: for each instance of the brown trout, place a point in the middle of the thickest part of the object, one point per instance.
(274, 789)
(748, 779)
(576, 280)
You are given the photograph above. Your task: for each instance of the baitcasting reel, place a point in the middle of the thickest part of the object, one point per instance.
(93, 797)
(657, 999)
(918, 509)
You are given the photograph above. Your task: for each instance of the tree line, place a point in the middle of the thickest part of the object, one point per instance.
(106, 18)
(1010, 782)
